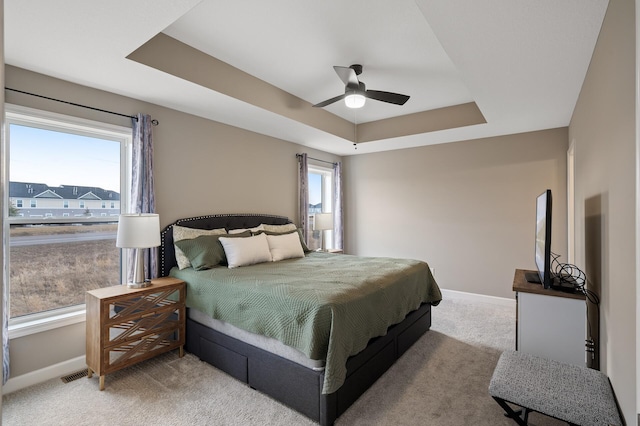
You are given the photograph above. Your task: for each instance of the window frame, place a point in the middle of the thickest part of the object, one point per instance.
(14, 114)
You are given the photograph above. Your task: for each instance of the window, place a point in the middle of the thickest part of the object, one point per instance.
(320, 201)
(58, 157)
(33, 204)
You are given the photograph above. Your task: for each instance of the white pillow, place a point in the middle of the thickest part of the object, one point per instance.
(279, 228)
(246, 251)
(285, 246)
(241, 230)
(184, 233)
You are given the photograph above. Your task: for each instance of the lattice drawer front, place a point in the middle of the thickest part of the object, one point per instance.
(134, 307)
(146, 324)
(127, 352)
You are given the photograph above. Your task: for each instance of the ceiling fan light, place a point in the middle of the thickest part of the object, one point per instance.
(355, 100)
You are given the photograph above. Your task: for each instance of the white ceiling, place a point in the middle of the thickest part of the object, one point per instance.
(296, 50)
(521, 62)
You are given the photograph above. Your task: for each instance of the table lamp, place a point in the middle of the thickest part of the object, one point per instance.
(323, 222)
(138, 231)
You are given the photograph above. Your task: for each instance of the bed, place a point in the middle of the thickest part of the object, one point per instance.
(322, 357)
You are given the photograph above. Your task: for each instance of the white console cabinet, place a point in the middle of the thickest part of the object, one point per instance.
(550, 323)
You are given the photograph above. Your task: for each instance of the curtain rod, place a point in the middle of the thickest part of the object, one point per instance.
(317, 159)
(154, 122)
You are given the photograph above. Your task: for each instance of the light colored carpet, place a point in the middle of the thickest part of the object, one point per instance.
(441, 380)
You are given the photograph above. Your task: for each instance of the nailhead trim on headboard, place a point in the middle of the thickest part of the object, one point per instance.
(226, 220)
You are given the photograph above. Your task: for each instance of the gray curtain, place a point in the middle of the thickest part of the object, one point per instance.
(303, 199)
(142, 188)
(338, 229)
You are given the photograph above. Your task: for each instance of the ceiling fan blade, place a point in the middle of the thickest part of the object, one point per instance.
(392, 98)
(347, 75)
(330, 101)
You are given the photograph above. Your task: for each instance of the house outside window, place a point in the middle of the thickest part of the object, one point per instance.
(51, 278)
(33, 204)
(320, 201)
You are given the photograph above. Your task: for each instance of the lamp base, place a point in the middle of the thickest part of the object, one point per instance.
(138, 271)
(139, 285)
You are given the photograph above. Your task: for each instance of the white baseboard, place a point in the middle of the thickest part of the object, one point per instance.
(44, 374)
(480, 298)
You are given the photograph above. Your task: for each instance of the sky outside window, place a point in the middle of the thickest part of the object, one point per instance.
(315, 188)
(59, 158)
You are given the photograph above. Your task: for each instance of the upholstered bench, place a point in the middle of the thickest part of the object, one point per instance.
(576, 395)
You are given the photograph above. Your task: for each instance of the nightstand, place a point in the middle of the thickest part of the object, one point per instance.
(126, 326)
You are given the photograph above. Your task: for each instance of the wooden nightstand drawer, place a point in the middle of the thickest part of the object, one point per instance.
(126, 326)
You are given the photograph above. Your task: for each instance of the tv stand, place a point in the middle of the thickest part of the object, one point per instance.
(550, 323)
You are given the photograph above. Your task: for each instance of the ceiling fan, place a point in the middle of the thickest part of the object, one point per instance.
(355, 92)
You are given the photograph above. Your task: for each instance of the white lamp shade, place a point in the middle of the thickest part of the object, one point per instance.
(355, 100)
(323, 221)
(138, 230)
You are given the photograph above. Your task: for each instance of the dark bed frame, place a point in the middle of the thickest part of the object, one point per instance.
(288, 382)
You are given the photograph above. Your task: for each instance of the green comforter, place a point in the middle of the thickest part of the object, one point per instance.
(326, 305)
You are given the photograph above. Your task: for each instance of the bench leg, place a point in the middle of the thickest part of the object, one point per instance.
(521, 416)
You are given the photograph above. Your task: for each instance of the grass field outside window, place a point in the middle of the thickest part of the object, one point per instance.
(54, 275)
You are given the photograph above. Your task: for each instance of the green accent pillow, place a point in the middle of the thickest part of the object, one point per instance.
(206, 251)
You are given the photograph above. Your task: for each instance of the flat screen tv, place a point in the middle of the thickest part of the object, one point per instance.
(543, 238)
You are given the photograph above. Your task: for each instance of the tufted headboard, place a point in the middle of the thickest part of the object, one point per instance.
(229, 221)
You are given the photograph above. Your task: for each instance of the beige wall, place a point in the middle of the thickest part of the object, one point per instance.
(603, 131)
(201, 167)
(204, 167)
(467, 208)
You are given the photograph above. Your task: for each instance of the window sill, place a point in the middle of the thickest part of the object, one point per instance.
(39, 323)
